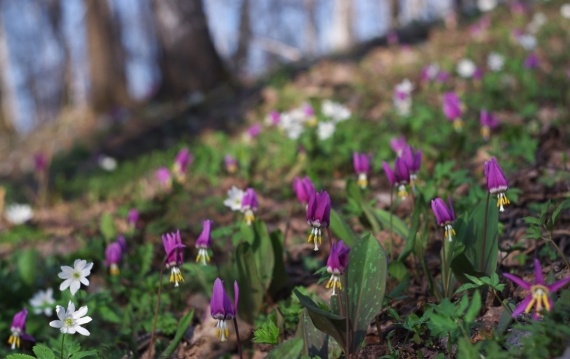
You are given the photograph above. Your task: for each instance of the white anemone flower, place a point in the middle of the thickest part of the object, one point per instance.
(18, 213)
(235, 196)
(70, 321)
(43, 301)
(565, 11)
(335, 111)
(325, 130)
(495, 61)
(73, 277)
(466, 68)
(527, 41)
(107, 163)
(486, 5)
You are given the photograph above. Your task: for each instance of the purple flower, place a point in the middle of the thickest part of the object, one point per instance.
(452, 109)
(539, 296)
(400, 177)
(204, 242)
(254, 130)
(413, 161)
(398, 145)
(273, 118)
(183, 159)
(361, 162)
(497, 182)
(163, 176)
(308, 110)
(478, 74)
(336, 264)
(40, 163)
(122, 242)
(230, 163)
(318, 215)
(113, 254)
(531, 62)
(133, 217)
(488, 121)
(174, 255)
(429, 72)
(221, 308)
(444, 216)
(303, 189)
(249, 205)
(18, 329)
(442, 77)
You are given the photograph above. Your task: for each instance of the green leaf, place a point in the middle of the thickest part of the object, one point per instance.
(419, 208)
(474, 308)
(183, 325)
(532, 220)
(85, 354)
(315, 342)
(341, 229)
(397, 270)
(279, 277)
(107, 227)
(366, 284)
(20, 356)
(292, 348)
(323, 320)
(27, 266)
(109, 315)
(263, 250)
(398, 226)
(268, 333)
(43, 352)
(251, 286)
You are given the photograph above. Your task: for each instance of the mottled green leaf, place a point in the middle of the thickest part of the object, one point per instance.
(251, 287)
(292, 348)
(341, 229)
(366, 283)
(263, 250)
(279, 277)
(27, 266)
(315, 342)
(398, 226)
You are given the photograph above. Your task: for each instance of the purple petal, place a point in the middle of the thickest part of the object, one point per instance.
(521, 283)
(451, 211)
(217, 300)
(559, 284)
(522, 306)
(538, 278)
(389, 173)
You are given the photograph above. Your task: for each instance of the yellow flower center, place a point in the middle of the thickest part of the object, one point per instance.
(539, 299)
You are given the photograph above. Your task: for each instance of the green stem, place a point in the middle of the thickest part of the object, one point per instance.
(444, 270)
(347, 326)
(485, 223)
(560, 253)
(151, 344)
(342, 314)
(238, 339)
(62, 340)
(391, 228)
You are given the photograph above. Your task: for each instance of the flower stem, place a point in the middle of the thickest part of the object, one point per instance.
(62, 340)
(485, 223)
(151, 344)
(347, 315)
(391, 227)
(560, 253)
(444, 269)
(238, 339)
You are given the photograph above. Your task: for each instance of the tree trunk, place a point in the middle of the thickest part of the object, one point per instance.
(6, 125)
(188, 60)
(311, 28)
(394, 13)
(108, 87)
(342, 32)
(241, 55)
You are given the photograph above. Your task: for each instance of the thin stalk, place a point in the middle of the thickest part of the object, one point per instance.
(444, 270)
(501, 301)
(62, 340)
(347, 326)
(151, 344)
(560, 253)
(391, 227)
(288, 225)
(342, 313)
(481, 268)
(238, 339)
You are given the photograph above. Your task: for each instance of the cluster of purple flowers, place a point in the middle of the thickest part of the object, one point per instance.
(406, 167)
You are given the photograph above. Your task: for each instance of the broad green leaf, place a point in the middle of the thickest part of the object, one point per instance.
(315, 342)
(474, 308)
(27, 266)
(397, 270)
(323, 320)
(107, 227)
(263, 250)
(251, 286)
(20, 356)
(341, 229)
(398, 226)
(419, 208)
(43, 352)
(291, 348)
(85, 354)
(279, 276)
(366, 283)
(183, 325)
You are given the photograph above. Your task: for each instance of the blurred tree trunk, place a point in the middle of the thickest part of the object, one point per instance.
(6, 125)
(108, 87)
(394, 13)
(342, 32)
(244, 38)
(311, 28)
(188, 60)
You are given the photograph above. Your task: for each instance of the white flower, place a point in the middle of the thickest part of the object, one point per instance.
(75, 276)
(431, 71)
(335, 111)
(565, 11)
(70, 321)
(486, 5)
(43, 301)
(235, 196)
(538, 20)
(325, 130)
(466, 68)
(528, 42)
(402, 97)
(107, 163)
(18, 213)
(495, 61)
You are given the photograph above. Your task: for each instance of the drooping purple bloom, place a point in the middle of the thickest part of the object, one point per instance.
(452, 109)
(398, 145)
(400, 177)
(18, 329)
(40, 163)
(303, 188)
(444, 216)
(174, 255)
(204, 242)
(442, 77)
(361, 162)
(122, 242)
(429, 72)
(163, 177)
(113, 254)
(539, 296)
(318, 216)
(273, 118)
(497, 182)
(221, 308)
(488, 122)
(249, 205)
(230, 163)
(413, 160)
(531, 62)
(478, 74)
(183, 160)
(133, 217)
(254, 131)
(336, 264)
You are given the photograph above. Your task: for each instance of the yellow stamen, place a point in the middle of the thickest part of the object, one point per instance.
(458, 124)
(176, 276)
(502, 200)
(402, 192)
(249, 217)
(312, 122)
(362, 180)
(203, 256)
(114, 269)
(486, 132)
(14, 341)
(334, 283)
